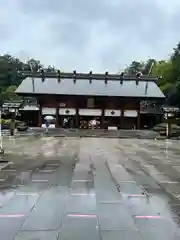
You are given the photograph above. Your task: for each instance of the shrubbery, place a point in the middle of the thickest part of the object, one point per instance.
(5, 121)
(8, 121)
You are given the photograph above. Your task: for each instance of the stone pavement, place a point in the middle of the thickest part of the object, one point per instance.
(87, 188)
(60, 132)
(159, 159)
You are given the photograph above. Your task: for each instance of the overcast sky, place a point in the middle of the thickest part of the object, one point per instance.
(85, 35)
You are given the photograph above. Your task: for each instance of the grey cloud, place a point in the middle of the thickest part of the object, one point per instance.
(103, 33)
(72, 34)
(4, 32)
(80, 8)
(144, 20)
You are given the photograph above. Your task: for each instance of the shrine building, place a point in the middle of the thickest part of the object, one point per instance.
(114, 99)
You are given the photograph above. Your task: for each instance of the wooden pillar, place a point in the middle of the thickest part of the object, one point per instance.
(40, 116)
(103, 107)
(168, 128)
(102, 118)
(57, 114)
(122, 119)
(138, 119)
(12, 125)
(77, 118)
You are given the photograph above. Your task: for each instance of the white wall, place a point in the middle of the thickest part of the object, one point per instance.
(130, 113)
(48, 111)
(90, 112)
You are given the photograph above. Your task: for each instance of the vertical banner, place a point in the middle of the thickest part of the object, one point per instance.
(90, 103)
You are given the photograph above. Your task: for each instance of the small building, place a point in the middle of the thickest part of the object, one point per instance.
(115, 100)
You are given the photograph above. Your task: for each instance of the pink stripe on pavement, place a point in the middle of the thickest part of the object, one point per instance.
(11, 215)
(149, 217)
(82, 215)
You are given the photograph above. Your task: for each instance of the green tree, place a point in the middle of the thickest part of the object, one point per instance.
(163, 70)
(35, 65)
(50, 69)
(144, 67)
(134, 68)
(148, 66)
(9, 94)
(175, 58)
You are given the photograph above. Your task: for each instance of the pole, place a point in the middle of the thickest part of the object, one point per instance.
(149, 73)
(33, 84)
(13, 119)
(1, 143)
(151, 68)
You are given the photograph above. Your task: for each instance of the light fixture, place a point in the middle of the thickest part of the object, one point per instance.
(138, 75)
(74, 76)
(121, 78)
(42, 75)
(106, 77)
(59, 75)
(90, 77)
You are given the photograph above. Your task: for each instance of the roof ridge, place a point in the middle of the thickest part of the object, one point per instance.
(88, 76)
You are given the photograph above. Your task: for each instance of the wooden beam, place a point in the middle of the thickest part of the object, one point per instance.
(111, 77)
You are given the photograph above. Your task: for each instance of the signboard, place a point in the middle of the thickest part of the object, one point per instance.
(170, 109)
(67, 111)
(112, 113)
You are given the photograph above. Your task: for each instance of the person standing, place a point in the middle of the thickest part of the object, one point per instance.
(46, 125)
(94, 123)
(65, 122)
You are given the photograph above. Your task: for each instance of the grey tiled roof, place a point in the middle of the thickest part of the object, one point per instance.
(84, 87)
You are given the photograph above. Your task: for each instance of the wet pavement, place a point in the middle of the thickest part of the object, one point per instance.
(102, 133)
(90, 188)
